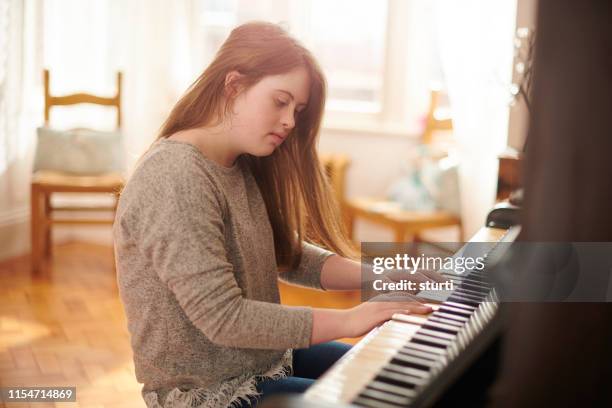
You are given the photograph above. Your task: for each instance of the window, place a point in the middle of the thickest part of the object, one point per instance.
(362, 46)
(349, 39)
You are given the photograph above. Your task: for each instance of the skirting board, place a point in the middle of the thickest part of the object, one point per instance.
(15, 233)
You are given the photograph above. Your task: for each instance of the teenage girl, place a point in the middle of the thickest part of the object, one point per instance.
(228, 200)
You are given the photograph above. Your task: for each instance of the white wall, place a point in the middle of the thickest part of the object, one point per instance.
(377, 160)
(519, 115)
(377, 155)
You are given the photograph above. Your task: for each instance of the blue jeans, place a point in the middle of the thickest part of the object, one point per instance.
(308, 365)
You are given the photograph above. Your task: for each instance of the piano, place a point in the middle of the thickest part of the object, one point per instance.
(412, 360)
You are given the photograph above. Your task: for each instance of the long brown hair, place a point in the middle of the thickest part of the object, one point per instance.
(296, 191)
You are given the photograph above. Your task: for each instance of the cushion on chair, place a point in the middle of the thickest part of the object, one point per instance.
(433, 185)
(79, 151)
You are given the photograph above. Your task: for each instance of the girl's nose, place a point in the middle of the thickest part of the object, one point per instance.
(288, 119)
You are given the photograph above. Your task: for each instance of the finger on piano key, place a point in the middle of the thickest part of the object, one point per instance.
(401, 317)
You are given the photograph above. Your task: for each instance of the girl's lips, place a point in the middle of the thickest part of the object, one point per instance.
(278, 137)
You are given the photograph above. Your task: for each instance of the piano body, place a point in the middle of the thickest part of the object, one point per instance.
(412, 360)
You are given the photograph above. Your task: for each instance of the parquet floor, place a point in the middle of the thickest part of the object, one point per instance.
(67, 327)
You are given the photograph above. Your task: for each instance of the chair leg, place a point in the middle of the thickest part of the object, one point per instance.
(399, 234)
(48, 243)
(35, 229)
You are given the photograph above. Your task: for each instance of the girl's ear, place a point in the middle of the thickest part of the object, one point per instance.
(232, 83)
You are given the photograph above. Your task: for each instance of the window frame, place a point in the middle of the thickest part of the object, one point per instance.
(394, 116)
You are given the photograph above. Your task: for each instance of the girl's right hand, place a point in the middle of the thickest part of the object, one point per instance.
(366, 316)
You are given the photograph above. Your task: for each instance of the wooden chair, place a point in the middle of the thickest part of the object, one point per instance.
(406, 225)
(45, 183)
(336, 166)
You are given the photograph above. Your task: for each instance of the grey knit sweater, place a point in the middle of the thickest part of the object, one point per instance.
(198, 279)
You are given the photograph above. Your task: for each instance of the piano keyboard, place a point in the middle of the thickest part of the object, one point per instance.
(395, 363)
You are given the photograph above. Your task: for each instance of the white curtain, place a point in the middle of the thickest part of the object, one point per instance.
(19, 48)
(84, 43)
(475, 44)
(150, 41)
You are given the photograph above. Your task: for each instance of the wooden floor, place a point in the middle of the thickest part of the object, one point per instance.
(67, 327)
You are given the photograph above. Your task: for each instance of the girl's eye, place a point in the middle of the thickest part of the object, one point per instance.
(281, 102)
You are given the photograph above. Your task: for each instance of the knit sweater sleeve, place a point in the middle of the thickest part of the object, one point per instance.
(308, 272)
(180, 230)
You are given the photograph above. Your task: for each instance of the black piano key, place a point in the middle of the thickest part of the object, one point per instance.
(429, 341)
(412, 351)
(449, 322)
(430, 325)
(399, 380)
(450, 316)
(409, 371)
(461, 305)
(385, 397)
(454, 310)
(474, 277)
(394, 389)
(449, 327)
(459, 293)
(425, 348)
(467, 289)
(409, 381)
(475, 272)
(474, 289)
(410, 361)
(459, 299)
(484, 285)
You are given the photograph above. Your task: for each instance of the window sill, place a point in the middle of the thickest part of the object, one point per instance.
(372, 129)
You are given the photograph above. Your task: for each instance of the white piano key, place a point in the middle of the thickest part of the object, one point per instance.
(407, 392)
(406, 370)
(412, 360)
(364, 367)
(439, 334)
(432, 340)
(392, 375)
(452, 316)
(408, 349)
(371, 403)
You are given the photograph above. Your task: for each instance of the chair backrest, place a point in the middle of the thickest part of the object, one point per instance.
(77, 98)
(335, 166)
(434, 121)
